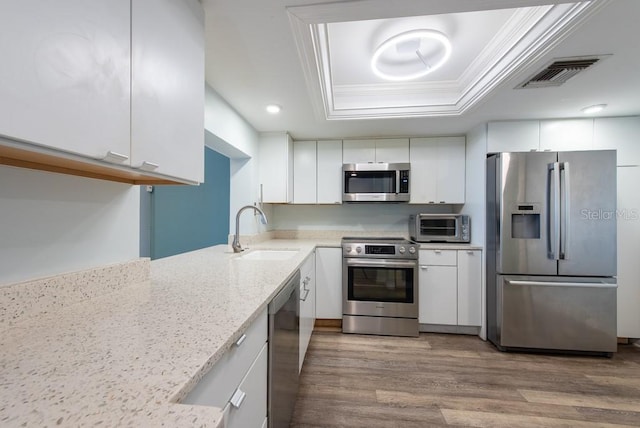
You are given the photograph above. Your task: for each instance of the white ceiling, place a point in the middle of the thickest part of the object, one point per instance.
(254, 59)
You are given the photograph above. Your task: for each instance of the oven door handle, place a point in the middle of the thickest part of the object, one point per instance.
(377, 263)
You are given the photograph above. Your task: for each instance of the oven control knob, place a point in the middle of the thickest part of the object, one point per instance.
(358, 250)
(401, 250)
(347, 248)
(412, 250)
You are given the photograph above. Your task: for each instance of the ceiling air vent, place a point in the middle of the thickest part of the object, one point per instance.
(559, 71)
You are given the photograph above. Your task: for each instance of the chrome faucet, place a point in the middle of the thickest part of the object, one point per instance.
(236, 238)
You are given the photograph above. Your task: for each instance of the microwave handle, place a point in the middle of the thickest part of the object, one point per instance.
(397, 181)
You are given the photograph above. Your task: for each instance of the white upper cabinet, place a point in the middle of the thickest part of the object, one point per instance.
(304, 170)
(65, 75)
(535, 135)
(437, 170)
(167, 106)
(516, 136)
(389, 150)
(275, 167)
(566, 135)
(317, 172)
(621, 134)
(329, 172)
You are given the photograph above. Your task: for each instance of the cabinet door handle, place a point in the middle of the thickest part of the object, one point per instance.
(423, 267)
(432, 202)
(147, 166)
(469, 252)
(237, 398)
(306, 294)
(241, 340)
(442, 202)
(437, 251)
(113, 157)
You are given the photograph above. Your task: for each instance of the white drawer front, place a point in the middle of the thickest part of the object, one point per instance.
(249, 409)
(439, 257)
(217, 386)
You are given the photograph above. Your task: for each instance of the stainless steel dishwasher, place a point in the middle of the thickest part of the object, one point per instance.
(284, 341)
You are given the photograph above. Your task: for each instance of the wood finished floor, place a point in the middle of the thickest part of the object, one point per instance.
(450, 380)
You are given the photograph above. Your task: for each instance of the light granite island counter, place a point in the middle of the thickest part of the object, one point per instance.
(127, 355)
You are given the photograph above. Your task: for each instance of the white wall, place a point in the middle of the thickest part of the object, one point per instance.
(53, 223)
(230, 134)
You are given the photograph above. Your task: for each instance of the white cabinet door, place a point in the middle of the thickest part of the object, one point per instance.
(621, 134)
(275, 167)
(514, 136)
(566, 135)
(437, 170)
(451, 170)
(329, 172)
(437, 295)
(392, 150)
(66, 75)
(329, 283)
(304, 172)
(424, 163)
(469, 287)
(358, 151)
(307, 305)
(628, 224)
(167, 106)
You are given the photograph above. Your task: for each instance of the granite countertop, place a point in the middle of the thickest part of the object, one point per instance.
(127, 358)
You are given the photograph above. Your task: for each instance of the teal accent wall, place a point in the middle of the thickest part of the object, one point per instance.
(186, 218)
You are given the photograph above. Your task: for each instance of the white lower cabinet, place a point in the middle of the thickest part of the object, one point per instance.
(237, 383)
(329, 283)
(248, 405)
(307, 305)
(450, 287)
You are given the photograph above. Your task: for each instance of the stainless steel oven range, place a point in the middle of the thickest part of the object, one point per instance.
(380, 286)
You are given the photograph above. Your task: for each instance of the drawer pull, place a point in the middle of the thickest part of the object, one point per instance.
(469, 252)
(147, 166)
(437, 251)
(115, 157)
(237, 398)
(241, 340)
(423, 267)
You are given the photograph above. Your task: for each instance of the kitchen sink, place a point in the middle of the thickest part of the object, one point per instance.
(268, 255)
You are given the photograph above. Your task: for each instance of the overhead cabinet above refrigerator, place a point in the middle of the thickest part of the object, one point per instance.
(551, 261)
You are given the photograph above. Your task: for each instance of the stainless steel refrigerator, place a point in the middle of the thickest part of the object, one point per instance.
(551, 251)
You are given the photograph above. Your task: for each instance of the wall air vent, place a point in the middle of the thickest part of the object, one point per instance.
(559, 71)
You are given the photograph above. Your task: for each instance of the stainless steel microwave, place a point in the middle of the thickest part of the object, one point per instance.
(376, 182)
(440, 228)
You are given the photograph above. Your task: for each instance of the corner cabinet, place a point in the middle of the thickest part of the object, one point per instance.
(450, 287)
(437, 170)
(106, 89)
(275, 167)
(307, 305)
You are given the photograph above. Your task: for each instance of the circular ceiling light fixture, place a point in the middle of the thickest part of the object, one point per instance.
(594, 109)
(273, 108)
(408, 47)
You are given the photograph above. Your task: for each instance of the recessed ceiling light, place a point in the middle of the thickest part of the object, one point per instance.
(593, 109)
(408, 43)
(274, 108)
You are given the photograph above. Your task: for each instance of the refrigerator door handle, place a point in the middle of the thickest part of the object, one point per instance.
(563, 284)
(566, 196)
(553, 210)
